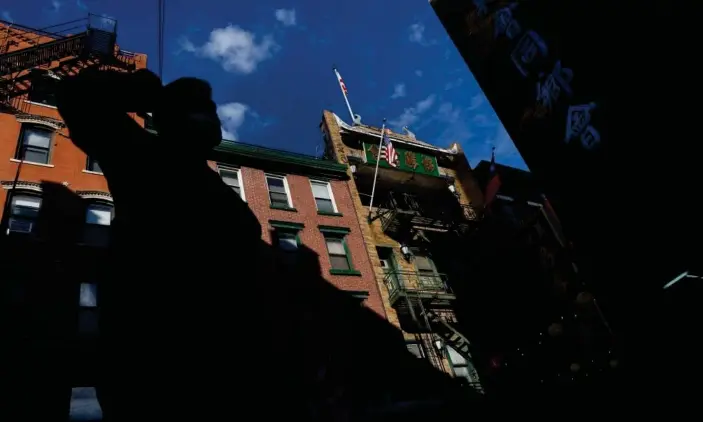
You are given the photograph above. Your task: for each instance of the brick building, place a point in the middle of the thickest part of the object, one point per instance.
(423, 209)
(55, 217)
(303, 201)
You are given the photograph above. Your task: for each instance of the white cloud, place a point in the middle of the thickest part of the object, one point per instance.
(476, 101)
(455, 84)
(232, 116)
(417, 34)
(412, 114)
(236, 49)
(55, 5)
(481, 120)
(454, 123)
(398, 91)
(286, 17)
(6, 16)
(418, 73)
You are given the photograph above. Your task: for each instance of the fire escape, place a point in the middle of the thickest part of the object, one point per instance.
(423, 297)
(53, 55)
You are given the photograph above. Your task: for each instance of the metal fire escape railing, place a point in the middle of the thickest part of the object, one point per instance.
(421, 291)
(94, 45)
(405, 209)
(407, 282)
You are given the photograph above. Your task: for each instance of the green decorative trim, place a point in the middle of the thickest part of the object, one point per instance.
(330, 214)
(345, 272)
(334, 229)
(242, 150)
(278, 207)
(286, 225)
(408, 161)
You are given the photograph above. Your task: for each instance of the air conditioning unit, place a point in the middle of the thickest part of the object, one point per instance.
(20, 226)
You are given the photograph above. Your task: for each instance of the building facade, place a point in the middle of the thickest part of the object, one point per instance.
(56, 214)
(303, 201)
(424, 204)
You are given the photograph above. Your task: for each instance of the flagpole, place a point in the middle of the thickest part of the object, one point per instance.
(344, 94)
(375, 174)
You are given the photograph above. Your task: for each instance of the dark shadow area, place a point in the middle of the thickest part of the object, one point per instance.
(199, 318)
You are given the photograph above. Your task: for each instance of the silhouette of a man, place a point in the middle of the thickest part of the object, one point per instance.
(173, 301)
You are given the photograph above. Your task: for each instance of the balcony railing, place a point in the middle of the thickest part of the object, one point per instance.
(401, 283)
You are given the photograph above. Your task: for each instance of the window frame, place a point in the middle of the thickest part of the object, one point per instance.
(88, 161)
(240, 179)
(289, 197)
(12, 195)
(339, 233)
(102, 204)
(21, 148)
(329, 191)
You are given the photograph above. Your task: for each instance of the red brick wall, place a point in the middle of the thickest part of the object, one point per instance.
(256, 193)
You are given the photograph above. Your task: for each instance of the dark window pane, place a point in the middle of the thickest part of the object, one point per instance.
(93, 166)
(287, 242)
(276, 185)
(96, 235)
(279, 199)
(324, 205)
(339, 262)
(88, 321)
(415, 349)
(36, 155)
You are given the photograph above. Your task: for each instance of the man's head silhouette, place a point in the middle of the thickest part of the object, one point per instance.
(187, 115)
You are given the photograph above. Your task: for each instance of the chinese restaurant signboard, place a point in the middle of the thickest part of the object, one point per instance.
(410, 161)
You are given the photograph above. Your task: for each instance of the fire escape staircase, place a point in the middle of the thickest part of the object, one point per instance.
(452, 337)
(94, 46)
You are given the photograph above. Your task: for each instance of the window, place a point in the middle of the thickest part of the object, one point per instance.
(24, 213)
(92, 165)
(461, 367)
(97, 227)
(88, 312)
(279, 193)
(416, 349)
(427, 273)
(35, 145)
(43, 91)
(287, 241)
(322, 192)
(232, 178)
(286, 236)
(338, 250)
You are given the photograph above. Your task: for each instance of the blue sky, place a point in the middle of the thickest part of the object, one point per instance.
(270, 65)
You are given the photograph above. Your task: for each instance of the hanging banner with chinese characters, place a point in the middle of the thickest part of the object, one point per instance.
(543, 78)
(410, 161)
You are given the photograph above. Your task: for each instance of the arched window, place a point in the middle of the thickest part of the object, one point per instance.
(97, 223)
(24, 212)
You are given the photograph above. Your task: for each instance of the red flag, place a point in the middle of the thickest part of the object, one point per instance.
(494, 182)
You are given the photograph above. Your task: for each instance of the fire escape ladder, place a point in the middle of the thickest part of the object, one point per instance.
(432, 356)
(453, 338)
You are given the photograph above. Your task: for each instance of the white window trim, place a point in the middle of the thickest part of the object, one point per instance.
(14, 160)
(99, 173)
(285, 186)
(329, 189)
(39, 104)
(239, 177)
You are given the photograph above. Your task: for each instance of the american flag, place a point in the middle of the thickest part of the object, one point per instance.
(388, 153)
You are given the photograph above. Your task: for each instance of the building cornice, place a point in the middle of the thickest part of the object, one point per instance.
(234, 152)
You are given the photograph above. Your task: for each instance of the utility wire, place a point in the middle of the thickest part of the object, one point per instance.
(161, 25)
